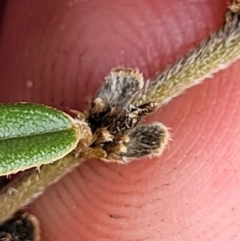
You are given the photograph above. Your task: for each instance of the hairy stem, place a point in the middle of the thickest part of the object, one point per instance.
(32, 184)
(215, 53)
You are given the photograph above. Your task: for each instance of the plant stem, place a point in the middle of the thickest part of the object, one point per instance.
(213, 54)
(22, 190)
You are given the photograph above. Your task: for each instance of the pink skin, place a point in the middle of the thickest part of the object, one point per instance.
(57, 53)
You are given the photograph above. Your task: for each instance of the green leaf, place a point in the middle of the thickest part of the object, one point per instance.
(32, 135)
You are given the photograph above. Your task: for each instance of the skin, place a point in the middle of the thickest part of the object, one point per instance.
(65, 49)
